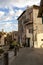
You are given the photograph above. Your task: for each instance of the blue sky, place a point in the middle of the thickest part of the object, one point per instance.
(10, 10)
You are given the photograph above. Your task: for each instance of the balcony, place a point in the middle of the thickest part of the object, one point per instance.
(26, 21)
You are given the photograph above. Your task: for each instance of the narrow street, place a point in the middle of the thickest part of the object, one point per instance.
(29, 56)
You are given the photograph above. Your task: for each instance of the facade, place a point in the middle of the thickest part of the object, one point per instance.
(30, 28)
(15, 36)
(2, 38)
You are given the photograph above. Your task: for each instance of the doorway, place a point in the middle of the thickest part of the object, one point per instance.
(28, 42)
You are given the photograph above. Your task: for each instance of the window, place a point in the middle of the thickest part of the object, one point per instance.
(41, 39)
(30, 31)
(15, 34)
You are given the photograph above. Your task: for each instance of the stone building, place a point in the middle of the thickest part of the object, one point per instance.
(2, 38)
(14, 36)
(30, 28)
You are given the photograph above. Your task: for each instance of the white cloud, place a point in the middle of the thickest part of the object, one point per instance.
(12, 3)
(6, 19)
(15, 17)
(18, 3)
(8, 26)
(15, 25)
(11, 11)
(23, 3)
(13, 14)
(9, 16)
(18, 13)
(1, 13)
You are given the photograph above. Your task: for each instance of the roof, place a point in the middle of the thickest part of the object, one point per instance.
(34, 6)
(21, 14)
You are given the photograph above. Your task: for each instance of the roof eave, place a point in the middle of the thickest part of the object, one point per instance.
(21, 14)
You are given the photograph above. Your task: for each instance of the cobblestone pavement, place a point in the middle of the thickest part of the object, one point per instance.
(29, 56)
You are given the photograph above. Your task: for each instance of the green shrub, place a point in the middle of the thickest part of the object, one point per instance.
(14, 43)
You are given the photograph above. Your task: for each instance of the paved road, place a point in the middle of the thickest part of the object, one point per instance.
(11, 56)
(28, 56)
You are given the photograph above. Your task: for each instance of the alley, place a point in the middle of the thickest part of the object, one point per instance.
(29, 56)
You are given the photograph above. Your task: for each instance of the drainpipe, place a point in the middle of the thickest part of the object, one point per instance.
(33, 28)
(33, 37)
